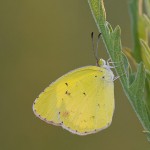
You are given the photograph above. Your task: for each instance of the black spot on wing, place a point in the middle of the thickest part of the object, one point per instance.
(66, 84)
(68, 93)
(84, 93)
(103, 77)
(93, 117)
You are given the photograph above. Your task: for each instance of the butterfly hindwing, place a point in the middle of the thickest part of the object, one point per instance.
(81, 101)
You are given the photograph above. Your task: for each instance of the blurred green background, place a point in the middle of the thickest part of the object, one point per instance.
(39, 42)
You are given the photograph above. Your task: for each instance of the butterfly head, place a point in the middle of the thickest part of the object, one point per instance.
(101, 62)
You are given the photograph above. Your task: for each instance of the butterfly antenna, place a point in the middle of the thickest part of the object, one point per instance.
(98, 39)
(95, 53)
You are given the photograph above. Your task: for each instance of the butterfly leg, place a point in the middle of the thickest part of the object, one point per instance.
(117, 77)
(108, 63)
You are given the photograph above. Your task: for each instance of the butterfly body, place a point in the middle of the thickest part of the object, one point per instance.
(81, 101)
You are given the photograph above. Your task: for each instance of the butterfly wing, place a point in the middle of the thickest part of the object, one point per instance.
(81, 101)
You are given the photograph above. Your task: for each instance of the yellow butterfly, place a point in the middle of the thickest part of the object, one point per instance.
(81, 101)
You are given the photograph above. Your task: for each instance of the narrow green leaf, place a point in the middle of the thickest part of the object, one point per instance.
(147, 5)
(145, 54)
(134, 25)
(137, 87)
(108, 25)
